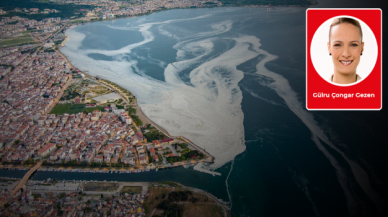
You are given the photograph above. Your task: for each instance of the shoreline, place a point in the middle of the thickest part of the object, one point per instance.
(79, 185)
(139, 112)
(146, 120)
(157, 11)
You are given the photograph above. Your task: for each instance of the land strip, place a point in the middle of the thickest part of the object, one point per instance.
(141, 198)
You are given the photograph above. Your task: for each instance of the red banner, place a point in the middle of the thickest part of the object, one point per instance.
(332, 55)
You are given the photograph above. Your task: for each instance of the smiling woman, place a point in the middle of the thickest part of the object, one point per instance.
(344, 50)
(345, 46)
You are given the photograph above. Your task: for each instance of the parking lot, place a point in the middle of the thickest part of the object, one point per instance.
(72, 187)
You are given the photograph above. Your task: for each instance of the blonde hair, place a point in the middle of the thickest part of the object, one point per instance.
(340, 20)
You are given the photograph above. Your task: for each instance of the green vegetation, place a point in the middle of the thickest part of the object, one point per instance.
(70, 93)
(73, 109)
(169, 183)
(78, 21)
(137, 120)
(171, 209)
(131, 189)
(36, 195)
(60, 109)
(71, 163)
(93, 101)
(91, 109)
(160, 158)
(179, 195)
(182, 145)
(100, 186)
(19, 40)
(12, 163)
(150, 127)
(66, 10)
(185, 155)
(49, 50)
(131, 110)
(146, 209)
(154, 135)
(29, 162)
(58, 42)
(76, 108)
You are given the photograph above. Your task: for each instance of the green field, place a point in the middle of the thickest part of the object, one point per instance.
(73, 109)
(76, 108)
(60, 109)
(19, 40)
(91, 109)
(131, 189)
(67, 108)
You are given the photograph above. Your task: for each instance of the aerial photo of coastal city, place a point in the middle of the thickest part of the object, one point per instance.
(178, 108)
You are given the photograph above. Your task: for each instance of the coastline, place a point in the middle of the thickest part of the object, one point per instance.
(139, 112)
(97, 188)
(142, 116)
(146, 120)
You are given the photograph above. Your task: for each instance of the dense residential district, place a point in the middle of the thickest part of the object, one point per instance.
(30, 88)
(53, 117)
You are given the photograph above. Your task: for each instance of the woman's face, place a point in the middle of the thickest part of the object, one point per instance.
(345, 47)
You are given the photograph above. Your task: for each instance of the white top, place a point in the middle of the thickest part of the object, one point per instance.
(357, 78)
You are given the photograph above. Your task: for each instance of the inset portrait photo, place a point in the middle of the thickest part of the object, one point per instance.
(344, 50)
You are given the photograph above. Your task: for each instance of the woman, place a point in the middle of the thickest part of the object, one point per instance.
(345, 47)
